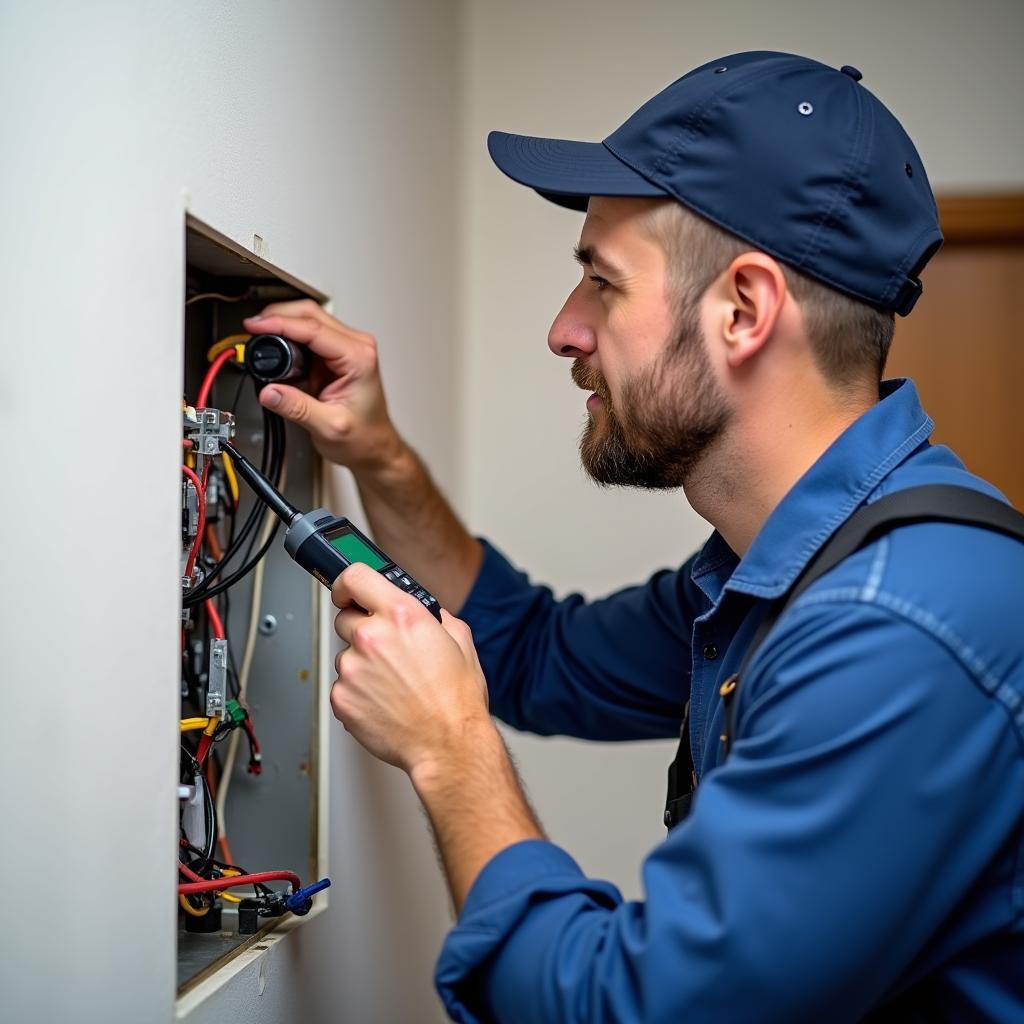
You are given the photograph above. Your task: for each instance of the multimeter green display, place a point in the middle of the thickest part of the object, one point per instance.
(324, 544)
(356, 550)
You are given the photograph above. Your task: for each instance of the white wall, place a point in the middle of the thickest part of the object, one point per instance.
(326, 128)
(576, 69)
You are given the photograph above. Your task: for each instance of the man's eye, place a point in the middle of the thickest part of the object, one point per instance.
(599, 281)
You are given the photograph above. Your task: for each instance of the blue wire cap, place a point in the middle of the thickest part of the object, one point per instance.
(301, 901)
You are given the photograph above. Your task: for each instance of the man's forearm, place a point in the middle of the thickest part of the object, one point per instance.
(415, 525)
(476, 806)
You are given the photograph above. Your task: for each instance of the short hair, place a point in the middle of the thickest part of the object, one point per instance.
(849, 339)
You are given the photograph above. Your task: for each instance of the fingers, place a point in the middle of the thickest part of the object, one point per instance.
(361, 585)
(368, 589)
(459, 631)
(306, 330)
(305, 322)
(346, 624)
(321, 419)
(303, 308)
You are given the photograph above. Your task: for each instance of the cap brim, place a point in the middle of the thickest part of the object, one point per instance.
(566, 173)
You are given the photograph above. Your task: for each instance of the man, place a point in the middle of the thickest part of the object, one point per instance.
(857, 847)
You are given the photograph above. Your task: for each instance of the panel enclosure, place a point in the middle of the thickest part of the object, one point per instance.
(271, 818)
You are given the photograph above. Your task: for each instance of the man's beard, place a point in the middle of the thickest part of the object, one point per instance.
(669, 415)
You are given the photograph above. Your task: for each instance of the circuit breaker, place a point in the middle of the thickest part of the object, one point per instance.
(248, 774)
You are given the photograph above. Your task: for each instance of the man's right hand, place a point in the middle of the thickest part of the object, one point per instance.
(346, 413)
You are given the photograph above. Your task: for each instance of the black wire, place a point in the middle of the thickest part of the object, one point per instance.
(271, 463)
(267, 462)
(211, 822)
(199, 594)
(238, 391)
(230, 581)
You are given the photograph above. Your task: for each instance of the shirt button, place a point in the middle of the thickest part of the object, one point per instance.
(710, 652)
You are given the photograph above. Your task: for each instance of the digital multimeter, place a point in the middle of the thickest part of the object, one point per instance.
(325, 544)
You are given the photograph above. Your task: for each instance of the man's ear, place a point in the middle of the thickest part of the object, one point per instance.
(754, 290)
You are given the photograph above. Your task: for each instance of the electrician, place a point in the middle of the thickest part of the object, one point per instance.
(750, 233)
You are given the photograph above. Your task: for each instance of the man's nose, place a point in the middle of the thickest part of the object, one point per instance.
(571, 334)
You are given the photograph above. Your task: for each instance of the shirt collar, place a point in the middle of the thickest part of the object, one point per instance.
(821, 500)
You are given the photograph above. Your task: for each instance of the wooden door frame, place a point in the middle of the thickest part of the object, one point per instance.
(982, 218)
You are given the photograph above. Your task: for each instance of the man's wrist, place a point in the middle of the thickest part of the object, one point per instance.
(391, 465)
(477, 746)
(475, 803)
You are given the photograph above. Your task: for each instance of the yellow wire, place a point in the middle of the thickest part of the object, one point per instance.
(228, 873)
(191, 724)
(189, 909)
(238, 340)
(213, 722)
(229, 472)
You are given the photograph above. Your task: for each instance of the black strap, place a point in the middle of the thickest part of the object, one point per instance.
(929, 503)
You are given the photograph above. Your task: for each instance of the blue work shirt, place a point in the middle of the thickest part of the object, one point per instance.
(861, 848)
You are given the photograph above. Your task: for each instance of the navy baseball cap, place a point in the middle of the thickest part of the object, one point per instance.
(799, 159)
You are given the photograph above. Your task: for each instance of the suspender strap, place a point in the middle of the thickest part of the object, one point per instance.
(929, 503)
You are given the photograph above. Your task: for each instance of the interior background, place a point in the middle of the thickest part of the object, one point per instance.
(349, 135)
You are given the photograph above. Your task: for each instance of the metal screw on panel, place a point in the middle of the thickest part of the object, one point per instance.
(268, 625)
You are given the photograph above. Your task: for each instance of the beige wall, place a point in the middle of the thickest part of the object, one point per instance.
(576, 69)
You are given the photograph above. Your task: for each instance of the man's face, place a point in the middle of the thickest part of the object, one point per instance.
(655, 405)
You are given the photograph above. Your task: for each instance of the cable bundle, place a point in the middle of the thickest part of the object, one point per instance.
(224, 561)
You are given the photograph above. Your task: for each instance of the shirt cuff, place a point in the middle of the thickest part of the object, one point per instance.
(511, 884)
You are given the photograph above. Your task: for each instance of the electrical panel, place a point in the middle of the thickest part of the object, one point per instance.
(248, 782)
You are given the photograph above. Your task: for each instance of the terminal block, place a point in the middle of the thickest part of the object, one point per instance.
(208, 429)
(217, 678)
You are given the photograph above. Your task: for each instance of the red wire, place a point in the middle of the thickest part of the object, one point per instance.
(216, 626)
(200, 487)
(211, 376)
(233, 881)
(254, 743)
(189, 873)
(255, 761)
(205, 742)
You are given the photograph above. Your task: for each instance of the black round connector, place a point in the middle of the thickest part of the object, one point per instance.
(271, 358)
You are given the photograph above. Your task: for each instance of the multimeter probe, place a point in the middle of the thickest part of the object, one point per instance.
(325, 544)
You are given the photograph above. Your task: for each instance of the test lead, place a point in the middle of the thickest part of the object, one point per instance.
(325, 544)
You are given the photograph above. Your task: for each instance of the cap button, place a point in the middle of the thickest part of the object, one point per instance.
(849, 69)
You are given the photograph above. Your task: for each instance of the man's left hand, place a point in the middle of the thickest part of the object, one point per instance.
(410, 690)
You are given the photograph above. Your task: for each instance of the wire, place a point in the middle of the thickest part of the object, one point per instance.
(271, 464)
(215, 884)
(213, 543)
(218, 295)
(189, 909)
(230, 873)
(231, 341)
(211, 375)
(192, 724)
(216, 626)
(269, 528)
(229, 472)
(189, 873)
(201, 521)
(209, 807)
(206, 740)
(255, 758)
